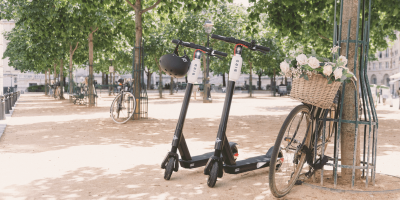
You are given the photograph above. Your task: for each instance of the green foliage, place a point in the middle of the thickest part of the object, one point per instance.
(310, 23)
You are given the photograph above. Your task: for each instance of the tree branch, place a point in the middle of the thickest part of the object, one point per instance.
(127, 1)
(151, 7)
(323, 37)
(75, 48)
(94, 30)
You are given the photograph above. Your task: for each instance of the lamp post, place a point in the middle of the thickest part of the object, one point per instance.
(111, 70)
(207, 89)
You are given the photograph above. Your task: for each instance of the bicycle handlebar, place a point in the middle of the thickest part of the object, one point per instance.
(251, 45)
(209, 51)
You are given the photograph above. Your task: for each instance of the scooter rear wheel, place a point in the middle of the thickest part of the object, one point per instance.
(212, 178)
(169, 168)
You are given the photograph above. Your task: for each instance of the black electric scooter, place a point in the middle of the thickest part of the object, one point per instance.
(227, 162)
(170, 162)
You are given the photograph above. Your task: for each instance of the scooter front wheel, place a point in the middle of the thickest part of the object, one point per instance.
(169, 168)
(212, 178)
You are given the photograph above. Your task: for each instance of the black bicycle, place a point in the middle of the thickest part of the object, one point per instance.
(300, 140)
(124, 104)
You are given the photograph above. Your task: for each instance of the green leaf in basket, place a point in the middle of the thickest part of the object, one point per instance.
(349, 75)
(306, 77)
(330, 81)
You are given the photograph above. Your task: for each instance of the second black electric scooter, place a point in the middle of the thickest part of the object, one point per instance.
(170, 162)
(227, 162)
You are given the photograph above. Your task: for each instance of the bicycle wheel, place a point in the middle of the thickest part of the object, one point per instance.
(295, 132)
(122, 111)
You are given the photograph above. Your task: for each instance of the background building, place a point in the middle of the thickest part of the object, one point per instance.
(388, 64)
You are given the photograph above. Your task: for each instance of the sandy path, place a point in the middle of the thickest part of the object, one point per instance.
(56, 150)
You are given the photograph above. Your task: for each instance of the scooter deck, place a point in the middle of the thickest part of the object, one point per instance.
(197, 161)
(248, 165)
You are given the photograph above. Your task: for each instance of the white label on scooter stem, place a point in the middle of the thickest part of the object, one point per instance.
(194, 71)
(236, 67)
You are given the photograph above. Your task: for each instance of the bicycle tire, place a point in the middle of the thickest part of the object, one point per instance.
(129, 105)
(278, 177)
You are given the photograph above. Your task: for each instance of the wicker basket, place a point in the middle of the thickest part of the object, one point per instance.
(316, 91)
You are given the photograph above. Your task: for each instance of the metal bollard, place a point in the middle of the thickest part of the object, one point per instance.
(10, 102)
(15, 98)
(2, 108)
(6, 104)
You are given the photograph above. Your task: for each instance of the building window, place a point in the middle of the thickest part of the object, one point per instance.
(15, 79)
(396, 52)
(373, 79)
(380, 65)
(387, 52)
(380, 54)
(373, 66)
(394, 64)
(387, 65)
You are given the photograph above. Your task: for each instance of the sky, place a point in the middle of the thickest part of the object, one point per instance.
(244, 2)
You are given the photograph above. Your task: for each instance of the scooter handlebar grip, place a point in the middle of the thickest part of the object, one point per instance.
(267, 49)
(175, 41)
(218, 37)
(220, 53)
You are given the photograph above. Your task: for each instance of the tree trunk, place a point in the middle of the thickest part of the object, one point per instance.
(45, 83)
(160, 79)
(251, 79)
(171, 86)
(273, 84)
(138, 41)
(55, 78)
(259, 80)
(149, 79)
(106, 79)
(348, 130)
(61, 79)
(71, 79)
(223, 80)
(102, 78)
(90, 81)
(186, 79)
(49, 80)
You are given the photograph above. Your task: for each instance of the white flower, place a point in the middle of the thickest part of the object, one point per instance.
(327, 70)
(338, 73)
(284, 67)
(313, 62)
(335, 49)
(343, 60)
(302, 59)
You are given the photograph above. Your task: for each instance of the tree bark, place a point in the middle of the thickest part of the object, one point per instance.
(273, 84)
(55, 78)
(138, 41)
(61, 79)
(45, 83)
(102, 78)
(160, 84)
(90, 82)
(149, 79)
(251, 79)
(348, 130)
(259, 80)
(171, 86)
